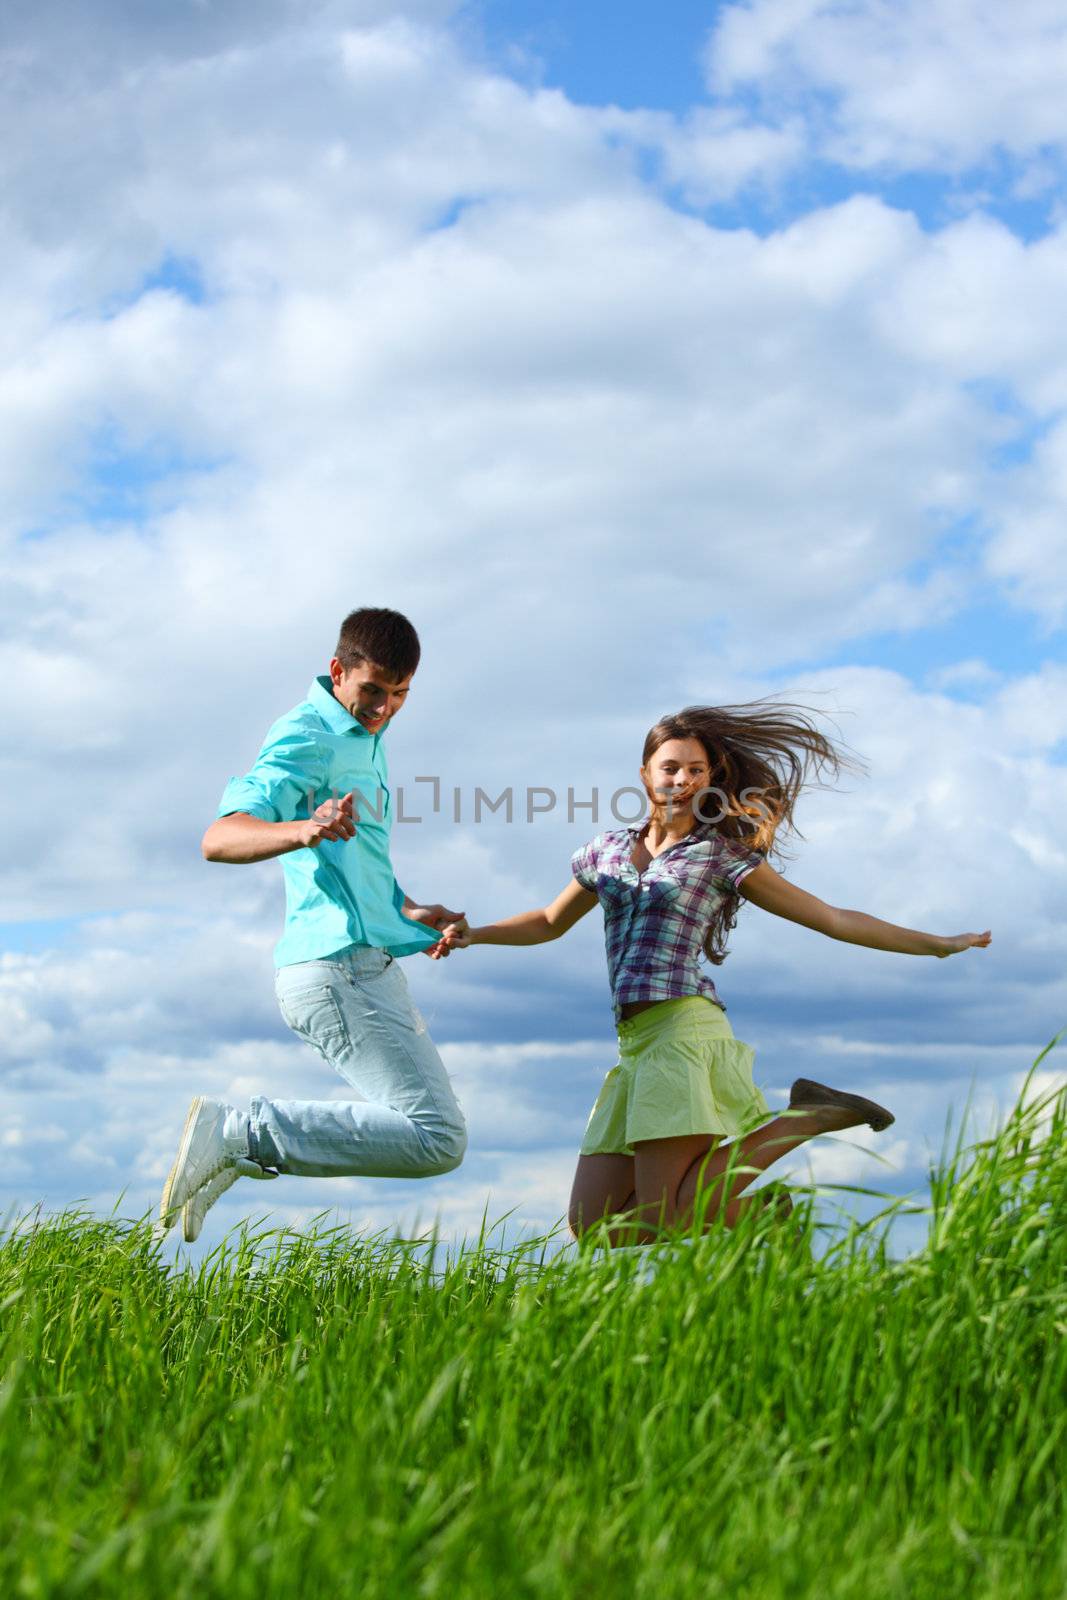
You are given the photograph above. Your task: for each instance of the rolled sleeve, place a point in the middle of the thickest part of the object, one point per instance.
(735, 863)
(289, 772)
(583, 865)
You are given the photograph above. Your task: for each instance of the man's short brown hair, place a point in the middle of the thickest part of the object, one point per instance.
(379, 635)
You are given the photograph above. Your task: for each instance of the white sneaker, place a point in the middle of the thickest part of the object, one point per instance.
(199, 1204)
(204, 1151)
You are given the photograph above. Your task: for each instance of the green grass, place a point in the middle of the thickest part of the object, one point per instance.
(333, 1415)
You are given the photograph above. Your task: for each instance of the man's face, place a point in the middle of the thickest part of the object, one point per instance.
(369, 693)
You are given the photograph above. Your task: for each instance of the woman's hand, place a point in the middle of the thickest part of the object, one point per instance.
(962, 941)
(457, 935)
(436, 917)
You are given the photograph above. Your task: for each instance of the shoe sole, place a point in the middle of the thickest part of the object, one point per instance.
(168, 1214)
(245, 1167)
(810, 1095)
(191, 1226)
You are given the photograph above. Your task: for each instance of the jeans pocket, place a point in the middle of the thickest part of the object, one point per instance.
(317, 1017)
(377, 970)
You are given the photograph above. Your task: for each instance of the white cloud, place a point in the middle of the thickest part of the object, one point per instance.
(976, 301)
(355, 373)
(1030, 553)
(969, 674)
(711, 153)
(941, 84)
(738, 415)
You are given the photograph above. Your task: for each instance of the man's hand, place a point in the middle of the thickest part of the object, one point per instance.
(434, 916)
(332, 820)
(438, 917)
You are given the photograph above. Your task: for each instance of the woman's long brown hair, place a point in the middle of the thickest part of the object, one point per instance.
(761, 755)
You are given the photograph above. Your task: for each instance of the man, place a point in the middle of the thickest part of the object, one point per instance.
(318, 797)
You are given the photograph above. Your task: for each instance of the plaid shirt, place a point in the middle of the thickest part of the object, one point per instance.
(655, 921)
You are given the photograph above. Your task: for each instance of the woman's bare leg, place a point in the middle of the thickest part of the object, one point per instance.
(603, 1183)
(754, 1154)
(599, 1181)
(669, 1173)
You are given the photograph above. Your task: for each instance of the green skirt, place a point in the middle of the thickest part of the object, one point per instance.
(680, 1070)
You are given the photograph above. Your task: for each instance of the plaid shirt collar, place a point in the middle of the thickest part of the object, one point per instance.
(698, 834)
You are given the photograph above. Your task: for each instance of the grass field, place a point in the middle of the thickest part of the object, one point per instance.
(332, 1415)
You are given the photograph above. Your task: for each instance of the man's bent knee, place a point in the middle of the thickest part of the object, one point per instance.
(445, 1151)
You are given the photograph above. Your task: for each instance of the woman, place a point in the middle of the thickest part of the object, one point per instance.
(721, 782)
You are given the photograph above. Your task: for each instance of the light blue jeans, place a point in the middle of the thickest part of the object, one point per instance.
(405, 1121)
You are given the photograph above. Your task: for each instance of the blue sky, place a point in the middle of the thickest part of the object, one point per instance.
(631, 55)
(643, 356)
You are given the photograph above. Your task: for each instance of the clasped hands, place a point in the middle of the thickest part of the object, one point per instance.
(454, 936)
(452, 925)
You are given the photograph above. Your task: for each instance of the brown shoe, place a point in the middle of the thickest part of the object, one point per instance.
(805, 1094)
(777, 1195)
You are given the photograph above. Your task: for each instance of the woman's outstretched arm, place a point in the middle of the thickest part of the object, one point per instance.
(771, 892)
(529, 927)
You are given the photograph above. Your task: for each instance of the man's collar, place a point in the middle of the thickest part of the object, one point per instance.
(333, 712)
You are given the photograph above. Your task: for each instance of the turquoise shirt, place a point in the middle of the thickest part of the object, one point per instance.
(343, 892)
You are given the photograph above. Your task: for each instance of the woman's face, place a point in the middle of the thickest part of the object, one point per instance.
(675, 774)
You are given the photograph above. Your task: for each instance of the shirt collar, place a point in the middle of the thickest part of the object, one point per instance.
(334, 714)
(700, 831)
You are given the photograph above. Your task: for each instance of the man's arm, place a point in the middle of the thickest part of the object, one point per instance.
(434, 916)
(259, 815)
(422, 911)
(240, 838)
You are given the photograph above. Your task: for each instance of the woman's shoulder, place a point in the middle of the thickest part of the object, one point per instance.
(599, 859)
(729, 859)
(729, 846)
(609, 839)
